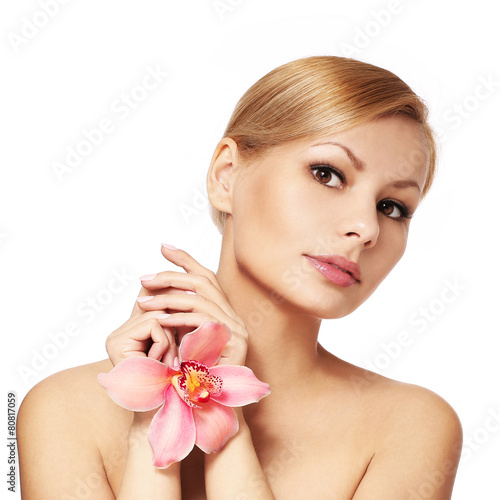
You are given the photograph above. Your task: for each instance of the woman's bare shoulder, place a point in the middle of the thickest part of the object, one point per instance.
(393, 401)
(73, 385)
(397, 400)
(409, 434)
(405, 420)
(75, 396)
(65, 425)
(415, 433)
(73, 401)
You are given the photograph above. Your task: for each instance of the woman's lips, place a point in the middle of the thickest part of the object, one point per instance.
(337, 269)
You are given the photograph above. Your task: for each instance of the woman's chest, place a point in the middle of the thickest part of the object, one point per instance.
(302, 457)
(320, 465)
(296, 466)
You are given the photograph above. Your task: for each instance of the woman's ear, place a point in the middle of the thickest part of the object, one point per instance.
(220, 178)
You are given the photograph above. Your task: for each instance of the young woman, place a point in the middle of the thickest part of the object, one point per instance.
(313, 186)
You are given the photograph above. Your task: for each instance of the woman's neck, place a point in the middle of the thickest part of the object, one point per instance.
(282, 340)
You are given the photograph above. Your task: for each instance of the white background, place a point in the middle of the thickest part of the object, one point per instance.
(63, 236)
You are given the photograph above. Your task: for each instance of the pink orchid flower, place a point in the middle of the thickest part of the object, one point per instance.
(197, 396)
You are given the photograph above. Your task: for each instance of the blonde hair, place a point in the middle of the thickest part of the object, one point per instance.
(315, 96)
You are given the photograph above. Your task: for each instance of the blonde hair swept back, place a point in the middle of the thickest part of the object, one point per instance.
(316, 96)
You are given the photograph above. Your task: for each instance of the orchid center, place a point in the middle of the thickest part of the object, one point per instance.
(195, 384)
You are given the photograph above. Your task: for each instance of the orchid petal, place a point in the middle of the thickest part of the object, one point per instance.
(215, 424)
(137, 383)
(240, 386)
(206, 343)
(172, 432)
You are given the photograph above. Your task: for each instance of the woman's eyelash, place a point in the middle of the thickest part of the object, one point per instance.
(405, 211)
(326, 167)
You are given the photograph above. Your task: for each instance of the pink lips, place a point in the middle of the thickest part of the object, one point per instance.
(337, 269)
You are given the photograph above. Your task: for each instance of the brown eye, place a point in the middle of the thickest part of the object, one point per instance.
(327, 176)
(386, 208)
(393, 210)
(324, 176)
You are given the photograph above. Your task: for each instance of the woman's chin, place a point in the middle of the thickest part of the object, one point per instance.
(333, 309)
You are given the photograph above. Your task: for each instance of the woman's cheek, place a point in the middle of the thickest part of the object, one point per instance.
(391, 248)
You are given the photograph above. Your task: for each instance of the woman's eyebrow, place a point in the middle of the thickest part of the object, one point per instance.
(406, 183)
(358, 164)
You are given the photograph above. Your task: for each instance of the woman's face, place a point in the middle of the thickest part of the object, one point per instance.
(344, 201)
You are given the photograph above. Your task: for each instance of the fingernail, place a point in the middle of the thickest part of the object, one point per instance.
(163, 316)
(190, 292)
(145, 298)
(170, 247)
(148, 277)
(176, 362)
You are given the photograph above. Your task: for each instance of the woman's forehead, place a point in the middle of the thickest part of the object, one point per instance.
(396, 146)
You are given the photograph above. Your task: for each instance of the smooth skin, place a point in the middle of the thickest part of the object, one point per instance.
(329, 429)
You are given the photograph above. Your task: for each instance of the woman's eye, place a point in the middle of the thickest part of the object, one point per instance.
(393, 210)
(328, 176)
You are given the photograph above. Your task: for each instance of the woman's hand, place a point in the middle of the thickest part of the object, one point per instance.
(194, 297)
(142, 335)
(181, 301)
(186, 300)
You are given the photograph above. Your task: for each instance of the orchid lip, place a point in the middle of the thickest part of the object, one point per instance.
(195, 384)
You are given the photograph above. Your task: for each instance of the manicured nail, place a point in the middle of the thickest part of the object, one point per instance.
(148, 277)
(163, 316)
(176, 362)
(145, 298)
(190, 292)
(170, 247)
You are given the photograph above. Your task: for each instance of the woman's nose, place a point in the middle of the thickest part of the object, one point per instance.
(359, 221)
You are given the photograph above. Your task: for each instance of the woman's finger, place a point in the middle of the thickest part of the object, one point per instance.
(171, 281)
(137, 311)
(139, 319)
(146, 338)
(183, 259)
(187, 303)
(236, 349)
(192, 320)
